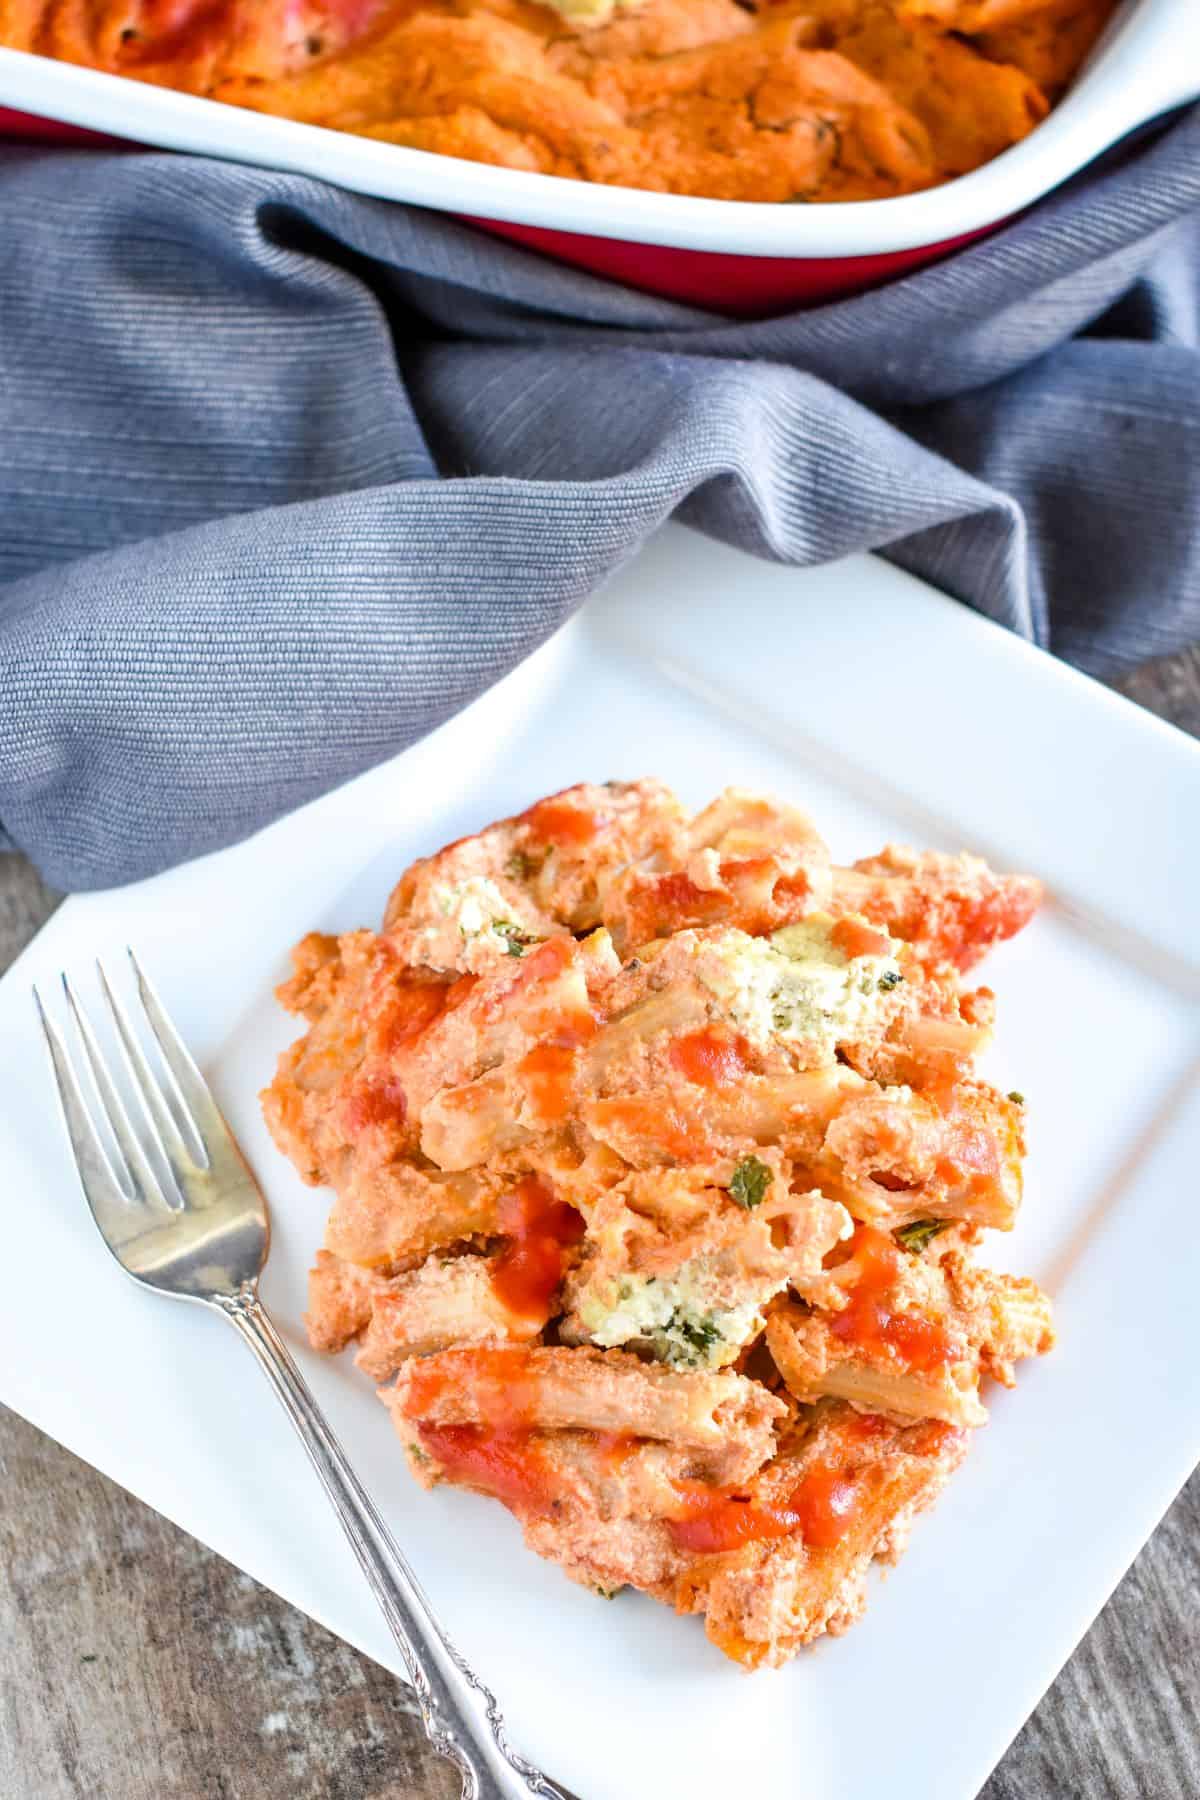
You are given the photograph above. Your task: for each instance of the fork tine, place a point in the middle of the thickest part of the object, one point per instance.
(141, 1176)
(101, 1188)
(158, 1115)
(191, 1090)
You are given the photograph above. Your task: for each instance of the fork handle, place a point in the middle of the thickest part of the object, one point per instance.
(462, 1719)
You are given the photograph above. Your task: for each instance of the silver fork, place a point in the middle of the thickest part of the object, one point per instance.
(196, 1227)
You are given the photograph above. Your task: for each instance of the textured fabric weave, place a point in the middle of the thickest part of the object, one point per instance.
(288, 476)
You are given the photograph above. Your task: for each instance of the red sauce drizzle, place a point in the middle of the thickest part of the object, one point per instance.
(539, 1229)
(569, 1030)
(460, 990)
(713, 1519)
(821, 1509)
(509, 1465)
(373, 1101)
(746, 868)
(548, 1072)
(868, 1322)
(854, 937)
(826, 1502)
(792, 887)
(543, 963)
(496, 1375)
(561, 822)
(711, 1058)
(974, 1133)
(678, 894)
(668, 1129)
(407, 1010)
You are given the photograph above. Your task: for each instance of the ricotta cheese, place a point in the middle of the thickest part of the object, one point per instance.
(797, 985)
(675, 1317)
(482, 915)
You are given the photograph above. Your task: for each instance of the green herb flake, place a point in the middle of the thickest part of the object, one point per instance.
(520, 866)
(606, 1593)
(1016, 1096)
(921, 1232)
(701, 1334)
(516, 941)
(889, 979)
(417, 1455)
(750, 1182)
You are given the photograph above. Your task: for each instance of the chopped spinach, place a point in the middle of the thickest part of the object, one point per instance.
(750, 1182)
(700, 1333)
(921, 1232)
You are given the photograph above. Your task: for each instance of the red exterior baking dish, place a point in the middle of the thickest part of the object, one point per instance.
(724, 254)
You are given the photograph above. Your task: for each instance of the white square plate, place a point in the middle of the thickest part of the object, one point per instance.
(889, 712)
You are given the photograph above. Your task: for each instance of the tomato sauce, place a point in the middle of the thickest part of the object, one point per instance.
(544, 963)
(373, 1101)
(407, 1010)
(868, 1322)
(791, 888)
(711, 1058)
(713, 1520)
(664, 1128)
(559, 822)
(496, 1374)
(540, 1229)
(976, 1138)
(854, 937)
(735, 869)
(826, 1503)
(820, 1509)
(548, 1074)
(509, 1465)
(680, 899)
(460, 990)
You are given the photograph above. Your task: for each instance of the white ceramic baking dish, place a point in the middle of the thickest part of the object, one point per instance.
(719, 253)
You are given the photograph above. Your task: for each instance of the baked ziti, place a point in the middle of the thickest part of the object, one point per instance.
(659, 1162)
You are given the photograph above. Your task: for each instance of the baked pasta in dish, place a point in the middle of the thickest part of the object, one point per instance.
(659, 1163)
(783, 100)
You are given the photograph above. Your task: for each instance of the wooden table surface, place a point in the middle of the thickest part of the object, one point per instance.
(135, 1665)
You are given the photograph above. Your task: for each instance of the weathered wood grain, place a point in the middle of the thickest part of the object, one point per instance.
(135, 1665)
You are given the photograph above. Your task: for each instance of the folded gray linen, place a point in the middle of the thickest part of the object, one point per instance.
(288, 476)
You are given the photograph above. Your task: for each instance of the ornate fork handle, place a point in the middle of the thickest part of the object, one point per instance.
(461, 1717)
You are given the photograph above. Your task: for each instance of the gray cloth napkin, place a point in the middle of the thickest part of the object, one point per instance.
(289, 476)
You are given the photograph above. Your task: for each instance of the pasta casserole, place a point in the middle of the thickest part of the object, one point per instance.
(762, 100)
(659, 1162)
